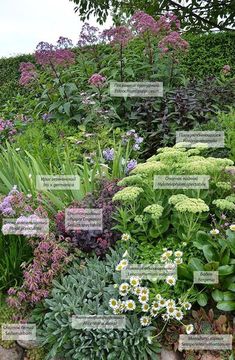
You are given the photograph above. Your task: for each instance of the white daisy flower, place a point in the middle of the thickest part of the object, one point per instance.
(163, 258)
(134, 281)
(130, 305)
(186, 305)
(158, 297)
(124, 287)
(165, 317)
(154, 312)
(113, 303)
(137, 290)
(178, 254)
(119, 267)
(214, 232)
(170, 303)
(145, 320)
(143, 298)
(155, 305)
(178, 261)
(116, 311)
(162, 303)
(189, 328)
(125, 237)
(168, 253)
(144, 291)
(178, 315)
(145, 307)
(124, 263)
(171, 310)
(170, 280)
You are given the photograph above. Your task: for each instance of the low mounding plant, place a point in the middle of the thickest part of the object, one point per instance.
(86, 290)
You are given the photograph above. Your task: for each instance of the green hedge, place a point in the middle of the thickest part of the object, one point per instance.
(207, 55)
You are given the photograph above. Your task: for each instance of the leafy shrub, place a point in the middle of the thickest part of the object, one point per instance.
(95, 280)
(97, 241)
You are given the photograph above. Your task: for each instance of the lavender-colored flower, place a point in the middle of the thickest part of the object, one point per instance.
(131, 165)
(48, 54)
(120, 35)
(139, 140)
(136, 147)
(46, 117)
(89, 35)
(97, 80)
(108, 154)
(64, 43)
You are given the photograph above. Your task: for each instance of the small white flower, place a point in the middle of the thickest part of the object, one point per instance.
(143, 298)
(163, 258)
(122, 265)
(30, 176)
(145, 307)
(178, 254)
(17, 149)
(162, 303)
(178, 261)
(130, 305)
(189, 328)
(124, 287)
(113, 303)
(137, 290)
(154, 312)
(134, 281)
(158, 297)
(165, 317)
(168, 253)
(186, 305)
(170, 280)
(145, 320)
(116, 311)
(214, 232)
(184, 244)
(155, 305)
(178, 315)
(171, 310)
(125, 237)
(170, 303)
(144, 291)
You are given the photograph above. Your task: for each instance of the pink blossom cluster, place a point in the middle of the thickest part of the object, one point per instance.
(97, 80)
(50, 257)
(120, 35)
(8, 128)
(89, 35)
(173, 41)
(28, 73)
(142, 23)
(13, 203)
(59, 55)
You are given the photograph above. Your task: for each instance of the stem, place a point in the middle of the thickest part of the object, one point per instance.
(121, 63)
(160, 331)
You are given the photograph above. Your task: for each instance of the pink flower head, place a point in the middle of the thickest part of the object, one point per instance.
(89, 35)
(97, 80)
(28, 73)
(226, 69)
(48, 54)
(143, 22)
(168, 22)
(120, 35)
(174, 42)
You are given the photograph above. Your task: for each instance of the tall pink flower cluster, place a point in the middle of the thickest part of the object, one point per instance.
(59, 55)
(174, 42)
(49, 259)
(120, 35)
(28, 73)
(89, 35)
(97, 80)
(143, 22)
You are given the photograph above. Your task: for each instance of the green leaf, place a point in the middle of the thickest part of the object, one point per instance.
(195, 264)
(217, 295)
(202, 299)
(226, 270)
(231, 287)
(228, 295)
(226, 305)
(209, 253)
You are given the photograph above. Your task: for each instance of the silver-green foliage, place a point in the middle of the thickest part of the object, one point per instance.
(87, 292)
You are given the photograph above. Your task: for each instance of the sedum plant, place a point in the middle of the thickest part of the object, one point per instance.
(149, 214)
(87, 290)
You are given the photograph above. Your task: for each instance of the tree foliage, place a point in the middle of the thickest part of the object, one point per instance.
(195, 15)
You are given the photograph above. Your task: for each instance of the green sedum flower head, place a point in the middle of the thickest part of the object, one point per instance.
(155, 210)
(128, 194)
(149, 168)
(131, 180)
(187, 204)
(224, 204)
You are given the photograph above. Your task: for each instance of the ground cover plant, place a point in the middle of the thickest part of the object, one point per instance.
(61, 119)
